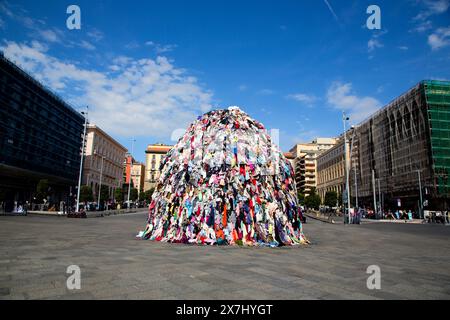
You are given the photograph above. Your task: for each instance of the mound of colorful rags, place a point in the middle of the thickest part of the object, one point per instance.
(225, 182)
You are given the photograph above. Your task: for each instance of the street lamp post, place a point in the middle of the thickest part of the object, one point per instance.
(131, 166)
(345, 118)
(81, 162)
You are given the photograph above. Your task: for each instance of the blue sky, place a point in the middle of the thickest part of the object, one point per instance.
(148, 68)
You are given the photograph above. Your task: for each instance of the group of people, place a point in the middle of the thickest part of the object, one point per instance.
(398, 215)
(15, 207)
(437, 216)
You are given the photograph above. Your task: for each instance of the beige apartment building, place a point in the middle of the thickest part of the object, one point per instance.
(104, 157)
(306, 162)
(153, 156)
(331, 170)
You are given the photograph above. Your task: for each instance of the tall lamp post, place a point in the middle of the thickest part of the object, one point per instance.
(82, 156)
(345, 119)
(131, 166)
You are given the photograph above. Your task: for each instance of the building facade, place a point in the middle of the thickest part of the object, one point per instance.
(103, 159)
(403, 151)
(153, 157)
(40, 138)
(135, 171)
(138, 176)
(331, 170)
(306, 162)
(127, 168)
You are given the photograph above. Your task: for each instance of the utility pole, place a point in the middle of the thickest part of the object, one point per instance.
(420, 193)
(374, 192)
(82, 156)
(131, 166)
(345, 118)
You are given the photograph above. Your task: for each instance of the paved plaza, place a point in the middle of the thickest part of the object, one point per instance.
(35, 252)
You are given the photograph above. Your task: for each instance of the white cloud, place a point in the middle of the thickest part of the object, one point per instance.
(160, 48)
(433, 7)
(142, 97)
(404, 48)
(95, 34)
(341, 97)
(4, 7)
(422, 27)
(132, 45)
(440, 38)
(375, 42)
(304, 135)
(372, 44)
(50, 35)
(39, 29)
(86, 45)
(303, 98)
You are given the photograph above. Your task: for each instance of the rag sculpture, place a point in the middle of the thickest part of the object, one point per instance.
(225, 182)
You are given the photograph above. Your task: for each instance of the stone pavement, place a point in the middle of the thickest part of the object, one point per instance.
(35, 252)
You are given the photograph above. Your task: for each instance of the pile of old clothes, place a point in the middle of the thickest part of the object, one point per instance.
(225, 182)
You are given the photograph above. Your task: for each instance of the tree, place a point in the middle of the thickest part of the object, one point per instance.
(104, 193)
(133, 194)
(86, 194)
(122, 194)
(330, 198)
(42, 190)
(301, 198)
(118, 195)
(148, 194)
(339, 198)
(313, 200)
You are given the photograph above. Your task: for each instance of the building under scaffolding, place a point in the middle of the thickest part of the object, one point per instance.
(403, 149)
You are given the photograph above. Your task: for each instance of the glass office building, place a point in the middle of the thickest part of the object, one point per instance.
(40, 138)
(403, 150)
